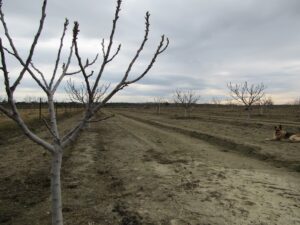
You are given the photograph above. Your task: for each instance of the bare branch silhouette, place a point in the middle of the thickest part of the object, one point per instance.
(186, 99)
(248, 95)
(91, 93)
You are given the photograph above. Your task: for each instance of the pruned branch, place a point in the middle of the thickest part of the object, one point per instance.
(73, 133)
(5, 72)
(65, 68)
(92, 89)
(6, 112)
(103, 49)
(59, 52)
(91, 92)
(66, 138)
(82, 68)
(49, 129)
(8, 51)
(140, 48)
(15, 53)
(116, 53)
(160, 49)
(87, 64)
(164, 43)
(106, 53)
(41, 74)
(35, 40)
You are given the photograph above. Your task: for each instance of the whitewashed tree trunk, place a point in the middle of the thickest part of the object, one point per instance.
(92, 95)
(56, 162)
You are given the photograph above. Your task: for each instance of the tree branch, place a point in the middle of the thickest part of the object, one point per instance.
(6, 112)
(50, 130)
(36, 37)
(102, 119)
(107, 53)
(248, 95)
(82, 68)
(140, 48)
(87, 64)
(160, 49)
(116, 53)
(5, 72)
(59, 52)
(65, 68)
(41, 74)
(31, 51)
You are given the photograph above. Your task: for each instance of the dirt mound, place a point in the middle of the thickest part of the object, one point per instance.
(225, 143)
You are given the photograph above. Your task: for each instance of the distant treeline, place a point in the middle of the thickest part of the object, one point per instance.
(35, 104)
(167, 104)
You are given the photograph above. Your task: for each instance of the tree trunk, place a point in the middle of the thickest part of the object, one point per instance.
(185, 112)
(261, 110)
(158, 109)
(57, 217)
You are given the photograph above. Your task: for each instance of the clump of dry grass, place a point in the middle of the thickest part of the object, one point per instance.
(9, 128)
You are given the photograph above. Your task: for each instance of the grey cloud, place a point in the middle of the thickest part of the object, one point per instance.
(208, 38)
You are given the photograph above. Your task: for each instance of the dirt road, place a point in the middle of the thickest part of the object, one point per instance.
(127, 172)
(187, 181)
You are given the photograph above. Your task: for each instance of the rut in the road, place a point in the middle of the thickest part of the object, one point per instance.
(170, 178)
(224, 144)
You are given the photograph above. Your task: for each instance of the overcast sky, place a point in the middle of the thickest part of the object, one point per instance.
(212, 43)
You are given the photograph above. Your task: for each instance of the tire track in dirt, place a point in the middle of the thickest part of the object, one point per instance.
(224, 144)
(87, 182)
(122, 171)
(242, 122)
(169, 178)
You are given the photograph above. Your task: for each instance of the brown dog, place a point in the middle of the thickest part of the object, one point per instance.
(280, 134)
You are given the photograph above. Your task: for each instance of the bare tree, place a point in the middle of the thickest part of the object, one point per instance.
(80, 94)
(246, 94)
(158, 101)
(31, 99)
(264, 103)
(187, 99)
(91, 89)
(216, 101)
(296, 101)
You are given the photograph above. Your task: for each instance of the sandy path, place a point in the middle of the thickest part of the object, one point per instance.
(169, 178)
(241, 137)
